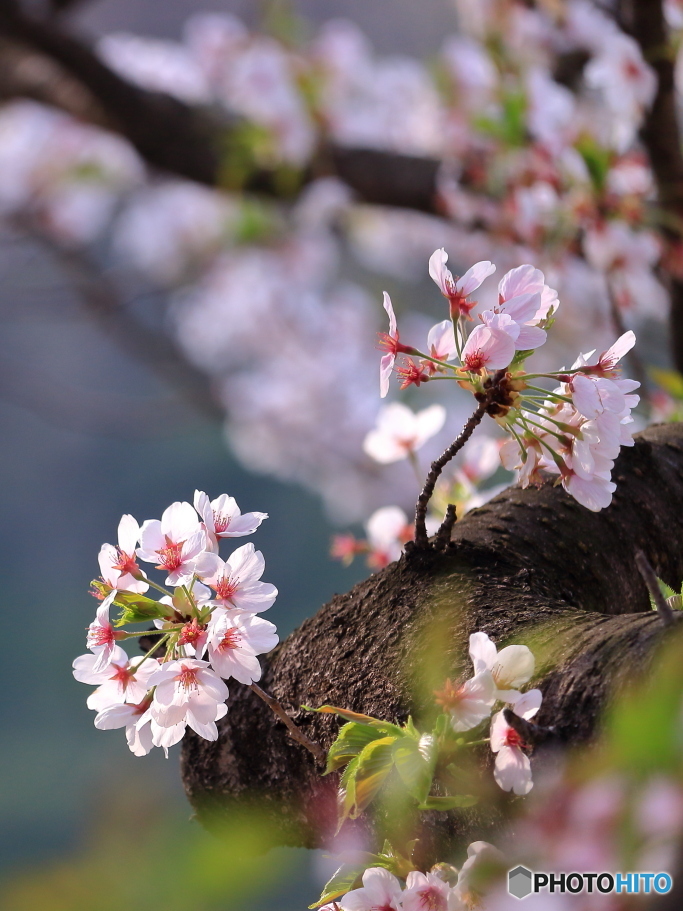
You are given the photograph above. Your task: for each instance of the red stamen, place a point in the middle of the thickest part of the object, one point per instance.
(188, 678)
(412, 374)
(169, 557)
(230, 640)
(127, 564)
(190, 633)
(226, 588)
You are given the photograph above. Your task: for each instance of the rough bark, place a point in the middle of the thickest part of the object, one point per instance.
(532, 565)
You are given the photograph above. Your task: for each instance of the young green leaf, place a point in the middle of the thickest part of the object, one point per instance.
(351, 740)
(415, 762)
(448, 803)
(364, 776)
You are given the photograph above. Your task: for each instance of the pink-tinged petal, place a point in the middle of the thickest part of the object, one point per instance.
(595, 494)
(621, 347)
(179, 521)
(501, 322)
(429, 422)
(212, 686)
(116, 716)
(386, 366)
(151, 540)
(129, 534)
(483, 652)
(245, 524)
(139, 738)
(203, 507)
(528, 704)
(531, 337)
(207, 730)
(522, 280)
(474, 276)
(522, 308)
(512, 771)
(383, 448)
(209, 566)
(107, 558)
(439, 273)
(441, 341)
(246, 564)
(259, 596)
(488, 348)
(167, 736)
(585, 396)
(193, 546)
(389, 307)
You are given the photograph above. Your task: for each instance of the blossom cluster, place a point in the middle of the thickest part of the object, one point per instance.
(574, 430)
(441, 889)
(209, 607)
(498, 675)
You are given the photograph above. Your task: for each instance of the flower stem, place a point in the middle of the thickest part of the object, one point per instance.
(295, 732)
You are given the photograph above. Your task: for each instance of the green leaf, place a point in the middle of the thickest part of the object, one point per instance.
(364, 776)
(351, 740)
(344, 879)
(448, 803)
(359, 718)
(415, 762)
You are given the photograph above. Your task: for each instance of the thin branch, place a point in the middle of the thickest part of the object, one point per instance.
(295, 732)
(421, 539)
(443, 535)
(665, 611)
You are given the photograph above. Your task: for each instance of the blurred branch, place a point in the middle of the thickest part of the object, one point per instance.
(660, 133)
(192, 141)
(150, 346)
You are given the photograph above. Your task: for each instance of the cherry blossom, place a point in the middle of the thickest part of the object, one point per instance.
(400, 432)
(426, 892)
(469, 704)
(457, 291)
(236, 580)
(102, 636)
(188, 691)
(122, 680)
(480, 855)
(441, 343)
(390, 341)
(223, 519)
(489, 347)
(512, 770)
(174, 543)
(234, 641)
(381, 891)
(510, 668)
(139, 735)
(387, 529)
(118, 565)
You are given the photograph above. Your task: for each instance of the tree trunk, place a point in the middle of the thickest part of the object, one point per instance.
(532, 565)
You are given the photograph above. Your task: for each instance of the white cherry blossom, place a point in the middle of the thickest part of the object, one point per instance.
(174, 543)
(399, 432)
(223, 518)
(122, 680)
(512, 770)
(236, 581)
(188, 691)
(469, 704)
(131, 716)
(234, 641)
(456, 291)
(102, 636)
(381, 891)
(118, 565)
(510, 668)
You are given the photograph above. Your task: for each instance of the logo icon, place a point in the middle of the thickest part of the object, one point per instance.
(519, 882)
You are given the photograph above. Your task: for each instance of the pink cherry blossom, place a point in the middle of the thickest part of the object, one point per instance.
(122, 680)
(236, 580)
(487, 349)
(441, 341)
(479, 854)
(188, 691)
(174, 543)
(390, 341)
(118, 565)
(510, 668)
(400, 432)
(223, 519)
(102, 636)
(457, 291)
(512, 770)
(387, 529)
(381, 891)
(425, 892)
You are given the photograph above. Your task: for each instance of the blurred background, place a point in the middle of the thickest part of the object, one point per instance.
(160, 336)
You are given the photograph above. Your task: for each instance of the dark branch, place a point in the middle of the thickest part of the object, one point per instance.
(666, 613)
(421, 539)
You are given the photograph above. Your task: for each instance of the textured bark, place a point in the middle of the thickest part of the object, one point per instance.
(532, 565)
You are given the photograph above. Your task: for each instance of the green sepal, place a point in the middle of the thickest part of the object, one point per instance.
(135, 608)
